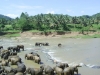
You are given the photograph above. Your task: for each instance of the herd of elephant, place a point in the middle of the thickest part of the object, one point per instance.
(10, 57)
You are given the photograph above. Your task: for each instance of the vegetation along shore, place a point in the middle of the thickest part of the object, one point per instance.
(51, 25)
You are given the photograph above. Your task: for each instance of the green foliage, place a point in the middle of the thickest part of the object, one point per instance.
(12, 35)
(23, 22)
(8, 27)
(49, 22)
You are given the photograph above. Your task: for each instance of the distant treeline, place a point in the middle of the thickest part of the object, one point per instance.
(51, 22)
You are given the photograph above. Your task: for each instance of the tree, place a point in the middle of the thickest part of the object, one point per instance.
(23, 22)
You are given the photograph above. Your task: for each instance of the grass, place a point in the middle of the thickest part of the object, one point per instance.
(88, 36)
(12, 35)
(12, 31)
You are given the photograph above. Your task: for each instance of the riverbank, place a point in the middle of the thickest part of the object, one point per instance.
(33, 35)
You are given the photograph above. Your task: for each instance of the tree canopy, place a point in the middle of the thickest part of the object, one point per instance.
(60, 22)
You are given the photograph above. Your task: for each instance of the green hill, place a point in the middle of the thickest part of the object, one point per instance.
(5, 17)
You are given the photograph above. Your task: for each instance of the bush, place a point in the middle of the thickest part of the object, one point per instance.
(8, 27)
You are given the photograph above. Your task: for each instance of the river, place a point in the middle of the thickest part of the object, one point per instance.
(85, 52)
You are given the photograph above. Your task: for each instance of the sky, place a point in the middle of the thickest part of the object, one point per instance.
(14, 8)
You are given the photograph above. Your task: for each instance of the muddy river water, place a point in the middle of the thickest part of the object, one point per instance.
(85, 52)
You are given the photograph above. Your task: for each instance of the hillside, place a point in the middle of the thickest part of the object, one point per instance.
(5, 17)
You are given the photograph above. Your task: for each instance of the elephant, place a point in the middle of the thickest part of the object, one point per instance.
(67, 71)
(1, 70)
(5, 54)
(4, 63)
(41, 44)
(59, 45)
(74, 69)
(66, 65)
(7, 69)
(58, 70)
(21, 47)
(10, 49)
(29, 56)
(47, 69)
(62, 65)
(16, 70)
(1, 47)
(30, 71)
(38, 44)
(3, 74)
(22, 66)
(45, 44)
(34, 71)
(14, 59)
(37, 59)
(14, 49)
(70, 70)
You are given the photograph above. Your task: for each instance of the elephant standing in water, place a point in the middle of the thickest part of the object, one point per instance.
(59, 45)
(5, 54)
(47, 70)
(7, 69)
(1, 47)
(29, 56)
(58, 70)
(14, 59)
(62, 65)
(21, 68)
(70, 70)
(21, 47)
(34, 71)
(4, 63)
(41, 44)
(13, 49)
